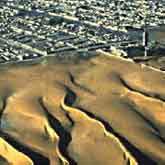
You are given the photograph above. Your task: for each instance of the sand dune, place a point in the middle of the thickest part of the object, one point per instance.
(98, 110)
(8, 155)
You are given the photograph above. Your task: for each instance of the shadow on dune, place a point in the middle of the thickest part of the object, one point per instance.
(141, 157)
(64, 135)
(36, 157)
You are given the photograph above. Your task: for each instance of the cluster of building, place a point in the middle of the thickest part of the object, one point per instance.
(34, 28)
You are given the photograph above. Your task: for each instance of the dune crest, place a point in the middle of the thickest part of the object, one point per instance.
(97, 110)
(90, 135)
(8, 155)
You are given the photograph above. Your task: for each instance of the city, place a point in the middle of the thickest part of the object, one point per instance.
(31, 29)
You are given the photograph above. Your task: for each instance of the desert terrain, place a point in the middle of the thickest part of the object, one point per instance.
(98, 110)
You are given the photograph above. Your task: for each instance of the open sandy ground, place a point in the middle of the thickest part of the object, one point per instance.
(102, 110)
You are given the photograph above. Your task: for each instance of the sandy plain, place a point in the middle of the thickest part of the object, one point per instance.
(101, 110)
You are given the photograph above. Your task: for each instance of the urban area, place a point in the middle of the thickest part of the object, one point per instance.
(33, 28)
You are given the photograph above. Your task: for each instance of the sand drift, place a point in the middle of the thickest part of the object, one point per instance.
(100, 110)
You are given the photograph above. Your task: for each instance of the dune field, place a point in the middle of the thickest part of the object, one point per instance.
(102, 110)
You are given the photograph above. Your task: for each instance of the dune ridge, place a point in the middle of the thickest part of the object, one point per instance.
(77, 114)
(98, 110)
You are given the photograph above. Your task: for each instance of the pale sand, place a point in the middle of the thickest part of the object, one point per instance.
(103, 110)
(9, 155)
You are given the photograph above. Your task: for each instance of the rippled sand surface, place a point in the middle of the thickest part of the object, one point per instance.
(101, 110)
